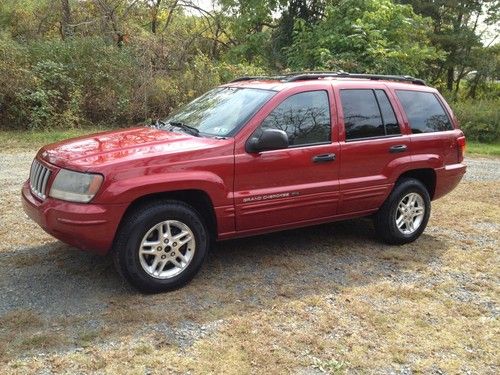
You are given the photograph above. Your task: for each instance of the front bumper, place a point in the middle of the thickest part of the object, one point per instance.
(90, 227)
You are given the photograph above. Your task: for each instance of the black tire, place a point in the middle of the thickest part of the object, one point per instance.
(136, 225)
(385, 219)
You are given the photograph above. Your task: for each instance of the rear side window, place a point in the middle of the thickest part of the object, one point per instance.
(424, 111)
(305, 117)
(368, 113)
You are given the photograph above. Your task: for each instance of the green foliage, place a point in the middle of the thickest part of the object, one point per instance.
(479, 119)
(53, 98)
(68, 84)
(84, 81)
(372, 36)
(115, 62)
(457, 33)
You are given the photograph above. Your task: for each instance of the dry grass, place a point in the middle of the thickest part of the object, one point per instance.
(428, 306)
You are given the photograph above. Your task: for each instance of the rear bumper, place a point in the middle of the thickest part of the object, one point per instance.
(447, 178)
(89, 227)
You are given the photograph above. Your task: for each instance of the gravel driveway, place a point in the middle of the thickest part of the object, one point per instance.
(58, 284)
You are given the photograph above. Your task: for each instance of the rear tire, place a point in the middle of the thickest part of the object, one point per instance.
(161, 246)
(405, 213)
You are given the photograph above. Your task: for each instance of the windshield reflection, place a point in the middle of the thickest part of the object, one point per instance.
(222, 111)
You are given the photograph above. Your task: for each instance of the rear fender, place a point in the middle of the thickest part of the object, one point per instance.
(397, 167)
(410, 162)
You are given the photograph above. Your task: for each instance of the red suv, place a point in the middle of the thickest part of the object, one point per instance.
(259, 154)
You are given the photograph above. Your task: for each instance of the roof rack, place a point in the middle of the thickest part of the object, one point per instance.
(293, 77)
(376, 77)
(250, 78)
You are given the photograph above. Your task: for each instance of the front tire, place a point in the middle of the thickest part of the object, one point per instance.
(405, 213)
(161, 246)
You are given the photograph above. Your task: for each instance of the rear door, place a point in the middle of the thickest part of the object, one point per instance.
(372, 143)
(433, 134)
(294, 185)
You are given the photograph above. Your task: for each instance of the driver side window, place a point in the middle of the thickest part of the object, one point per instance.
(305, 117)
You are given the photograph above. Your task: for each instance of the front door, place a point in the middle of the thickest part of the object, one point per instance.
(298, 184)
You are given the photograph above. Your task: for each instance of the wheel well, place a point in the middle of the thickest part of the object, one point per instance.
(198, 199)
(427, 176)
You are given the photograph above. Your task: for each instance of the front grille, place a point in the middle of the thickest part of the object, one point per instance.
(39, 176)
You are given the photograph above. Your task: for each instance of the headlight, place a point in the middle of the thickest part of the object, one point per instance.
(75, 186)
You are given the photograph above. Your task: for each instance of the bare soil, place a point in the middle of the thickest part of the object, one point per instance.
(325, 299)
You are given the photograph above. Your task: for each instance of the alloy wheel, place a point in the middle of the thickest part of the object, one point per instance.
(167, 249)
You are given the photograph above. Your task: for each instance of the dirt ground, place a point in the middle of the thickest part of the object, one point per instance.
(325, 299)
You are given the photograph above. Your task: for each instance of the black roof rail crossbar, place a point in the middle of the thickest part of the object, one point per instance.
(318, 75)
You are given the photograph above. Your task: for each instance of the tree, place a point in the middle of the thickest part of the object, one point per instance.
(486, 64)
(455, 31)
(307, 11)
(372, 36)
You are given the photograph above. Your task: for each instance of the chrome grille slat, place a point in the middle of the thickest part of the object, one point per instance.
(31, 174)
(39, 176)
(45, 179)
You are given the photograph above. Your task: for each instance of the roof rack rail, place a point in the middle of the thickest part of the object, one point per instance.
(318, 75)
(304, 76)
(249, 78)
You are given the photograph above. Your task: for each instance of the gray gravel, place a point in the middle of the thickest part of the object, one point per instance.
(482, 169)
(58, 279)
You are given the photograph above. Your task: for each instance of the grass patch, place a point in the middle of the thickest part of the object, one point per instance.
(477, 148)
(86, 337)
(11, 139)
(20, 320)
(331, 366)
(41, 341)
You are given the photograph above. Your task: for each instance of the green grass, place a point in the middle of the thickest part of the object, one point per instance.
(476, 148)
(10, 139)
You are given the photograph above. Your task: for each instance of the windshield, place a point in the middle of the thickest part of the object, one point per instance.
(221, 111)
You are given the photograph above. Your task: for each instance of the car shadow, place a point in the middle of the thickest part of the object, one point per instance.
(57, 280)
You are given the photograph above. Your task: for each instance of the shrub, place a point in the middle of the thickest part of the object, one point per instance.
(88, 82)
(53, 99)
(480, 119)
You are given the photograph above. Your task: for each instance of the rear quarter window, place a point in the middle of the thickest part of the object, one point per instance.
(424, 111)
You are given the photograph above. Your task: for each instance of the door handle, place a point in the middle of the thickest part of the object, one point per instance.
(323, 158)
(398, 148)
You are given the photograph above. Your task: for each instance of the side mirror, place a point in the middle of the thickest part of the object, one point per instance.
(269, 139)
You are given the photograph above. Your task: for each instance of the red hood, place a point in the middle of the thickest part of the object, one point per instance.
(116, 146)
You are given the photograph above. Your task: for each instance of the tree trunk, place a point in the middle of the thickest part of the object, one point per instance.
(215, 42)
(66, 28)
(473, 87)
(450, 78)
(154, 16)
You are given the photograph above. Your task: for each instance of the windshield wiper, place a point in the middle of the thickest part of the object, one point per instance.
(188, 129)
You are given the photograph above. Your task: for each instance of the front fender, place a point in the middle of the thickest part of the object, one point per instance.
(128, 190)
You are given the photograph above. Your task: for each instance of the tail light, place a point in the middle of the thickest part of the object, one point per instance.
(461, 148)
